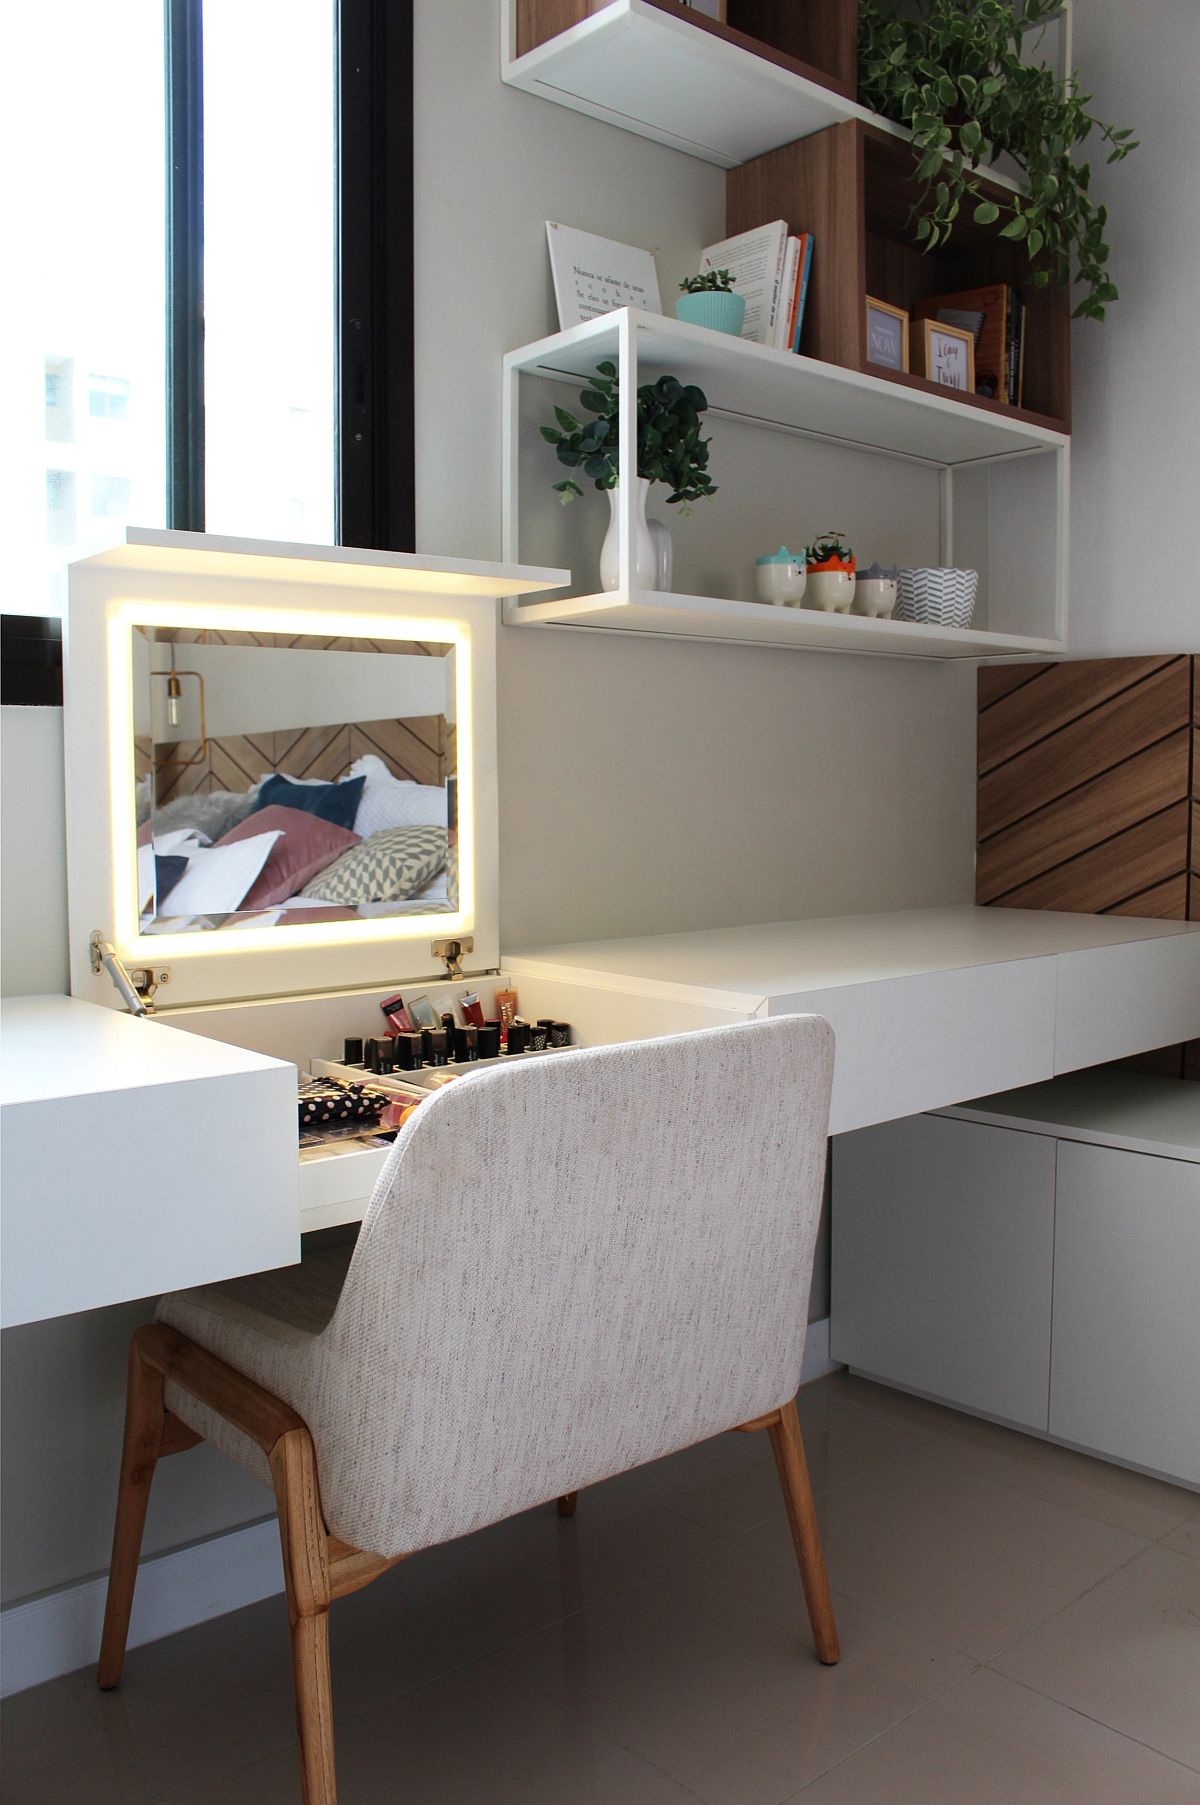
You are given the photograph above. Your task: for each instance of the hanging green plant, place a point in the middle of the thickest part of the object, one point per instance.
(953, 74)
(670, 449)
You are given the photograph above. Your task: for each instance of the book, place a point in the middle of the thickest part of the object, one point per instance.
(785, 318)
(755, 261)
(992, 347)
(806, 239)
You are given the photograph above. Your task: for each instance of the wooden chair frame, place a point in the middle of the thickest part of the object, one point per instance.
(317, 1567)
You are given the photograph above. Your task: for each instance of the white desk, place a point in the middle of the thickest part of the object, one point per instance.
(136, 1158)
(930, 1006)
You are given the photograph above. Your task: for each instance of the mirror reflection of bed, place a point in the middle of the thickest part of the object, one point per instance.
(288, 779)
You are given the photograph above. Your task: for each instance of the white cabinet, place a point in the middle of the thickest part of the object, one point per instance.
(942, 1261)
(1035, 1257)
(1125, 1377)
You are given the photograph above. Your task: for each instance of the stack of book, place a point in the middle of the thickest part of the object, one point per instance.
(770, 268)
(995, 317)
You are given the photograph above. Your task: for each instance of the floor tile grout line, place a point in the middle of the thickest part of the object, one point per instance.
(1087, 1591)
(1087, 1717)
(879, 1735)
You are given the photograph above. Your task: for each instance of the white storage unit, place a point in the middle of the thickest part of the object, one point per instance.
(1035, 1257)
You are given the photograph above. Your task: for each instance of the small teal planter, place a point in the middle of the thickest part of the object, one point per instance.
(719, 312)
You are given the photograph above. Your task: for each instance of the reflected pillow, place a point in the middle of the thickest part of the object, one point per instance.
(212, 812)
(336, 802)
(389, 801)
(307, 844)
(217, 877)
(391, 866)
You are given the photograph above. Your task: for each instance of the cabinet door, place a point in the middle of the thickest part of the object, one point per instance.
(1126, 1362)
(942, 1249)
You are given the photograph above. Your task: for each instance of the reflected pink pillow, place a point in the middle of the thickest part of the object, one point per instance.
(307, 845)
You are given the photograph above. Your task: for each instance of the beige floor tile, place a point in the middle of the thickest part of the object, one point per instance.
(969, 1562)
(214, 1698)
(1127, 1654)
(990, 1742)
(475, 1738)
(54, 1753)
(1185, 1539)
(714, 1679)
(1095, 1488)
(904, 1406)
(516, 1577)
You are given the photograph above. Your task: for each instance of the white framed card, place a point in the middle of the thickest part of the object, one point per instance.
(595, 275)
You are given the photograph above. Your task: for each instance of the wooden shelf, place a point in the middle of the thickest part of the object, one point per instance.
(753, 623)
(853, 186)
(905, 417)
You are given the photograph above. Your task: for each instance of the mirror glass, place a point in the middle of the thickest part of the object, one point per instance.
(287, 779)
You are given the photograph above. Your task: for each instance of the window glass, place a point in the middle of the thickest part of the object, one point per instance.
(270, 171)
(85, 321)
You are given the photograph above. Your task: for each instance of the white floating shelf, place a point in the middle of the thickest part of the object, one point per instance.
(779, 388)
(661, 75)
(753, 623)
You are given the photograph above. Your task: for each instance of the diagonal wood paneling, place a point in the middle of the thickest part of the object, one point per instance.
(1089, 795)
(1024, 716)
(1093, 742)
(1101, 878)
(1111, 803)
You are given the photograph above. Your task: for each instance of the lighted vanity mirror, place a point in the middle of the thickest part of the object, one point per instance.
(281, 766)
(283, 780)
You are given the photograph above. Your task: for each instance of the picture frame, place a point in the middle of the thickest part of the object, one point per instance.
(945, 355)
(887, 335)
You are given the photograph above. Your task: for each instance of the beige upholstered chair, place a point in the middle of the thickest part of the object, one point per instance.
(568, 1268)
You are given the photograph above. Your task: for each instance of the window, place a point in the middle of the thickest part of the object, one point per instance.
(60, 507)
(108, 397)
(215, 328)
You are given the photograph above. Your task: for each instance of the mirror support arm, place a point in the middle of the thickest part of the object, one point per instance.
(136, 989)
(450, 952)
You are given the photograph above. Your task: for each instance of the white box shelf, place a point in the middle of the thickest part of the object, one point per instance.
(1001, 491)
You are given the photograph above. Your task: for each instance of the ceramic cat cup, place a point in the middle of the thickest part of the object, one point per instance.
(875, 592)
(780, 578)
(830, 590)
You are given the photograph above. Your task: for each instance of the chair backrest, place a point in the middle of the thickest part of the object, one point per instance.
(572, 1267)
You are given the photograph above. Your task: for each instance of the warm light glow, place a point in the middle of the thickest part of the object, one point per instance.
(146, 949)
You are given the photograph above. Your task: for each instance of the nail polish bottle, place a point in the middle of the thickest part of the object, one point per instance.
(488, 1039)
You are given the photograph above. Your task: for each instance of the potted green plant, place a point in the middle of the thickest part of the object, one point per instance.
(708, 300)
(670, 450)
(831, 568)
(952, 71)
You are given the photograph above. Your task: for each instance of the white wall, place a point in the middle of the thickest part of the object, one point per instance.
(1135, 578)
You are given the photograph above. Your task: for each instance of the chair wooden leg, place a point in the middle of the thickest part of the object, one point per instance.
(306, 1577)
(144, 1416)
(787, 1445)
(567, 1503)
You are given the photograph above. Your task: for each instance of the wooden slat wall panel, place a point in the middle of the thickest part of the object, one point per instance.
(1020, 719)
(415, 748)
(1095, 741)
(1072, 824)
(1089, 795)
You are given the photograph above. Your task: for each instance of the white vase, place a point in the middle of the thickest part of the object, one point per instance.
(664, 554)
(644, 573)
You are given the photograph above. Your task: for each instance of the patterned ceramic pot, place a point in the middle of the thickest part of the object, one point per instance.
(937, 598)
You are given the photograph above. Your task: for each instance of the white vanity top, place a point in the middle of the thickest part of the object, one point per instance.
(781, 957)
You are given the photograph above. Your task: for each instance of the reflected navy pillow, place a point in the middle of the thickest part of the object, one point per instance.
(168, 869)
(336, 802)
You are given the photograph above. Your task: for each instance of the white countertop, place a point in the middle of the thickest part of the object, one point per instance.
(778, 958)
(52, 1047)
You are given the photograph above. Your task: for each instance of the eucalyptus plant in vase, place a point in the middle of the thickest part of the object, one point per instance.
(670, 450)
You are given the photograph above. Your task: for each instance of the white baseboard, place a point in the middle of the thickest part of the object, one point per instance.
(60, 1631)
